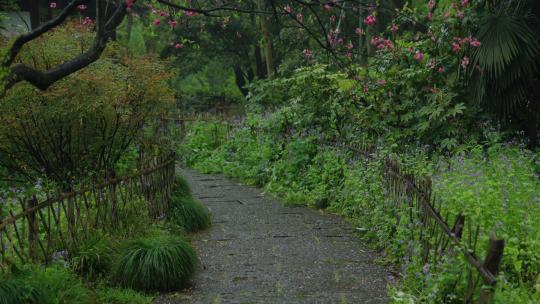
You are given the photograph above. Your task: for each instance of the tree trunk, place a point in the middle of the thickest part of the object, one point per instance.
(261, 70)
(240, 80)
(268, 52)
(34, 14)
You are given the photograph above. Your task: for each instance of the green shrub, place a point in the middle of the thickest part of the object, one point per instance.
(38, 285)
(189, 214)
(93, 257)
(181, 187)
(107, 295)
(155, 264)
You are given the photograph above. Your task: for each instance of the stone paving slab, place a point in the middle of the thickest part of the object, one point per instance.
(259, 251)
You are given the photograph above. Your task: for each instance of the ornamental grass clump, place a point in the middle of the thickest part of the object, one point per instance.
(181, 187)
(186, 211)
(189, 214)
(155, 264)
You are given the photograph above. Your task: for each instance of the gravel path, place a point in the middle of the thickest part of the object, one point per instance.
(259, 251)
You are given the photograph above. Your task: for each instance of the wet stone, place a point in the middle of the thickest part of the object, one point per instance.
(259, 251)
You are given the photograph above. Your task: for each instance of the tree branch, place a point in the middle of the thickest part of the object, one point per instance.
(43, 80)
(45, 27)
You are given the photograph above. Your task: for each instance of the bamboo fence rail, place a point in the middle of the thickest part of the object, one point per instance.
(56, 225)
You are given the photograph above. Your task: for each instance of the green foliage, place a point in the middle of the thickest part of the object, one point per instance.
(186, 212)
(155, 264)
(181, 187)
(38, 285)
(508, 57)
(84, 124)
(500, 191)
(495, 187)
(189, 214)
(94, 257)
(108, 295)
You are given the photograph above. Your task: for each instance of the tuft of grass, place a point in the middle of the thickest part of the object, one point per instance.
(155, 264)
(94, 257)
(189, 214)
(39, 285)
(181, 187)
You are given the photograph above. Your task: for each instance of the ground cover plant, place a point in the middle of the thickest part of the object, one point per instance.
(493, 182)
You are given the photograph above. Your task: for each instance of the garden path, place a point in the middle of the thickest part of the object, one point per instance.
(259, 251)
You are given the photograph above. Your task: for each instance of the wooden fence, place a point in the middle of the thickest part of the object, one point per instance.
(437, 236)
(55, 225)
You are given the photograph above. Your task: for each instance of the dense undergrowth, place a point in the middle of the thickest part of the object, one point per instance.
(127, 265)
(290, 152)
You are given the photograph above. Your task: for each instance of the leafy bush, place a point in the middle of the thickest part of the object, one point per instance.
(107, 295)
(97, 112)
(155, 264)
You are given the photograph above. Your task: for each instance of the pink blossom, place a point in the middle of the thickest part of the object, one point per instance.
(430, 16)
(327, 7)
(460, 14)
(431, 4)
(333, 18)
(308, 54)
(288, 9)
(446, 15)
(381, 82)
(389, 44)
(418, 56)
(475, 43)
(366, 89)
(340, 41)
(465, 62)
(348, 54)
(359, 31)
(300, 17)
(129, 5)
(191, 13)
(464, 2)
(456, 47)
(157, 22)
(87, 21)
(350, 46)
(441, 70)
(376, 40)
(173, 23)
(370, 20)
(52, 5)
(394, 28)
(82, 7)
(179, 46)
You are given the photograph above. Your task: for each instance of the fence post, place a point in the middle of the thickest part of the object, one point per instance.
(33, 233)
(182, 131)
(491, 262)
